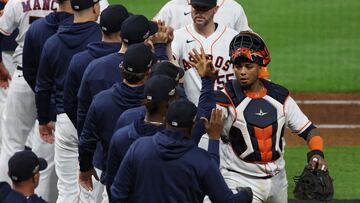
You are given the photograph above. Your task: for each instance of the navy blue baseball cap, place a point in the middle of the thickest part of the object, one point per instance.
(138, 58)
(24, 165)
(78, 5)
(137, 28)
(204, 3)
(181, 114)
(169, 69)
(159, 88)
(112, 18)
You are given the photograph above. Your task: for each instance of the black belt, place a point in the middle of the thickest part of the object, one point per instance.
(19, 68)
(262, 177)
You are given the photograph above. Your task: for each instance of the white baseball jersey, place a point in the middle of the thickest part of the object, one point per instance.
(216, 46)
(177, 14)
(20, 14)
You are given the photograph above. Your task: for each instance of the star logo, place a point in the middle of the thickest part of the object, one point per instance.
(261, 113)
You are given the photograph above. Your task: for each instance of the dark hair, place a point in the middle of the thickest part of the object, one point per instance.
(132, 78)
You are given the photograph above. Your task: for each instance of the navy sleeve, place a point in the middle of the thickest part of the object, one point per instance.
(71, 88)
(160, 51)
(121, 187)
(207, 102)
(119, 145)
(44, 85)
(84, 101)
(217, 190)
(213, 150)
(1, 38)
(88, 140)
(29, 61)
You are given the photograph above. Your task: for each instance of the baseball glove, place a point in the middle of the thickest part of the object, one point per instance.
(314, 185)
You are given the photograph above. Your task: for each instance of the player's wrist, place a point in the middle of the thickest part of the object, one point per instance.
(314, 152)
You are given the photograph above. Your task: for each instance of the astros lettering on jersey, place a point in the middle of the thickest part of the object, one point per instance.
(216, 46)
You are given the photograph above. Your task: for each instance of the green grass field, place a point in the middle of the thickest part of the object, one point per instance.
(314, 44)
(343, 162)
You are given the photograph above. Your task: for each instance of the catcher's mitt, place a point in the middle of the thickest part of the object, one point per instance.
(314, 185)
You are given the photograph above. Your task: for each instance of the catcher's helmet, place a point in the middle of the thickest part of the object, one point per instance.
(248, 44)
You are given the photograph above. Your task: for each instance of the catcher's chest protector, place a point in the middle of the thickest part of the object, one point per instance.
(256, 134)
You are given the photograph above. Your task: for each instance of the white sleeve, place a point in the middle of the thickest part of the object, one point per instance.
(296, 120)
(164, 14)
(10, 19)
(103, 5)
(241, 23)
(176, 47)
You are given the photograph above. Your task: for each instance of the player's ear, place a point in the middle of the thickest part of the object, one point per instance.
(216, 9)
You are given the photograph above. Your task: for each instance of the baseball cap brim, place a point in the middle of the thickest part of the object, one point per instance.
(202, 4)
(153, 27)
(42, 164)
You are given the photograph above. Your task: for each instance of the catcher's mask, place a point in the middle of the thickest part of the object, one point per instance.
(249, 45)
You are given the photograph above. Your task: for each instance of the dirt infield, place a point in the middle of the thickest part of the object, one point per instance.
(340, 118)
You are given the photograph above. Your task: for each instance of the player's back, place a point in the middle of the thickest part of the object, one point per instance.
(20, 14)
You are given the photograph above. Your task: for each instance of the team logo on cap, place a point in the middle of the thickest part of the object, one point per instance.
(130, 69)
(149, 97)
(76, 7)
(151, 62)
(172, 92)
(173, 123)
(126, 40)
(146, 35)
(104, 28)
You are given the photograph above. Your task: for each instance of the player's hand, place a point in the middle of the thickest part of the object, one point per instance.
(5, 76)
(215, 126)
(161, 36)
(318, 163)
(202, 64)
(47, 132)
(85, 179)
(170, 33)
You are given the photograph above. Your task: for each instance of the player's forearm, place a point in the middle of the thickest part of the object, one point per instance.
(43, 99)
(161, 52)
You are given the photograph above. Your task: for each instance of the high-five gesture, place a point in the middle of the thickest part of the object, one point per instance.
(202, 64)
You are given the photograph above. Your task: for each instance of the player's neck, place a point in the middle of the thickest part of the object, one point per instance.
(155, 119)
(258, 86)
(65, 7)
(207, 30)
(27, 191)
(113, 38)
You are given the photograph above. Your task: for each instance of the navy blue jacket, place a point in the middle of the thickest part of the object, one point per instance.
(35, 38)
(7, 195)
(124, 137)
(120, 143)
(130, 115)
(100, 75)
(76, 70)
(55, 58)
(104, 110)
(168, 167)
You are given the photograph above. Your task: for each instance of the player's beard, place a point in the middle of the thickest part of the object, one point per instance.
(205, 22)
